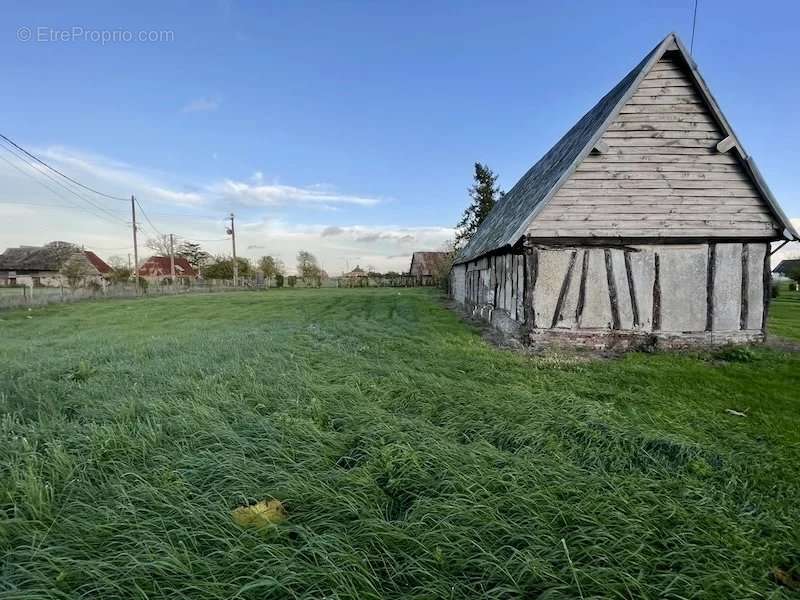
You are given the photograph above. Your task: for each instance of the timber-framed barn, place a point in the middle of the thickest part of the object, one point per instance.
(647, 223)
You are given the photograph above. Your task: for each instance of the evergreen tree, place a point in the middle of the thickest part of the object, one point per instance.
(193, 253)
(485, 194)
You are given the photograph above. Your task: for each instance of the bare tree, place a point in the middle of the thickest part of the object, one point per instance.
(160, 245)
(440, 268)
(117, 262)
(76, 270)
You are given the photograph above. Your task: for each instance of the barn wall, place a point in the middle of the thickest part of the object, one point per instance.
(661, 175)
(680, 295)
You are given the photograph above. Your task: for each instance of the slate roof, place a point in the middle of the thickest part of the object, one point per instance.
(509, 218)
(424, 263)
(787, 266)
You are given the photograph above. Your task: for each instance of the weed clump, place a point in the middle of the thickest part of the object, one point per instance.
(735, 354)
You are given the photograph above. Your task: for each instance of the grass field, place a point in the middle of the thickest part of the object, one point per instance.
(413, 459)
(785, 315)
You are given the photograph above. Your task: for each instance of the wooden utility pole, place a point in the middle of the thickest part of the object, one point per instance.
(172, 258)
(135, 245)
(232, 233)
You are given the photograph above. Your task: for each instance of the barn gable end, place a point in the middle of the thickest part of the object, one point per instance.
(657, 172)
(646, 224)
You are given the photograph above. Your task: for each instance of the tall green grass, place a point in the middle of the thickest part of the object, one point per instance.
(785, 314)
(414, 459)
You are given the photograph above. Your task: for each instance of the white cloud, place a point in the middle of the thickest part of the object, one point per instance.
(402, 235)
(260, 194)
(202, 105)
(196, 212)
(121, 178)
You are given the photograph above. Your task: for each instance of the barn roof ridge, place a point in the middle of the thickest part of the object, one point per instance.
(509, 219)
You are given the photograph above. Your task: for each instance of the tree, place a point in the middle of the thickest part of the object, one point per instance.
(271, 267)
(794, 275)
(76, 270)
(221, 267)
(440, 268)
(117, 262)
(308, 268)
(120, 274)
(193, 253)
(160, 245)
(485, 194)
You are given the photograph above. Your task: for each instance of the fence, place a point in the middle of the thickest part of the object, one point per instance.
(20, 296)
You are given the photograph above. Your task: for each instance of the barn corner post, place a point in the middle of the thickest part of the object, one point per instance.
(767, 290)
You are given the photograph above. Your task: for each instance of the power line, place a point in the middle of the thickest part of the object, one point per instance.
(57, 193)
(45, 204)
(153, 227)
(694, 23)
(59, 183)
(67, 177)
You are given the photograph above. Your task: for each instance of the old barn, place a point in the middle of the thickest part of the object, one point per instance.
(646, 223)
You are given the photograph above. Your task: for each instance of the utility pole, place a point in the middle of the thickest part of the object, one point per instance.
(135, 245)
(232, 233)
(129, 262)
(172, 258)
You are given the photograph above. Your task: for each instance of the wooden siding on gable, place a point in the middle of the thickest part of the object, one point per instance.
(662, 175)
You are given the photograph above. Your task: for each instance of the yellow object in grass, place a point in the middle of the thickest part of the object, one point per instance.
(261, 514)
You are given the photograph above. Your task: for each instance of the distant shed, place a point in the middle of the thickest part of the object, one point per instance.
(647, 223)
(427, 266)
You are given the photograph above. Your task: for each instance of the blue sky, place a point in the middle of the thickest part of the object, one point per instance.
(349, 128)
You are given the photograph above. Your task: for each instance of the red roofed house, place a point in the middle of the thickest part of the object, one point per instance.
(157, 269)
(98, 263)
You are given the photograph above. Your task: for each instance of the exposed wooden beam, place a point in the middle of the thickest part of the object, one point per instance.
(743, 314)
(631, 288)
(562, 295)
(726, 144)
(600, 147)
(612, 290)
(657, 294)
(710, 277)
(582, 289)
(779, 247)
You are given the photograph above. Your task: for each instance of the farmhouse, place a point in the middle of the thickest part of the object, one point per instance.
(54, 264)
(647, 223)
(356, 273)
(159, 268)
(426, 266)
